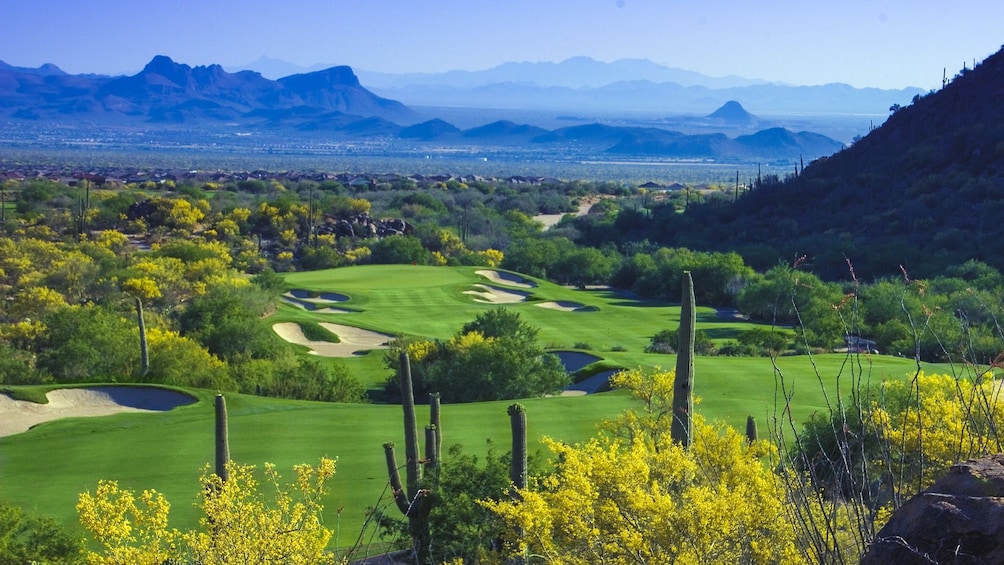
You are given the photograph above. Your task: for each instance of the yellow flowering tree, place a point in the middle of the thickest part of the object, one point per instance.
(130, 529)
(243, 522)
(934, 421)
(632, 495)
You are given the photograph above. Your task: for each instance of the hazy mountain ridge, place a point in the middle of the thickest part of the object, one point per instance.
(333, 104)
(576, 72)
(582, 84)
(650, 97)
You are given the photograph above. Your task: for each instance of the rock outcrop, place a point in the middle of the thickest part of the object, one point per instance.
(958, 520)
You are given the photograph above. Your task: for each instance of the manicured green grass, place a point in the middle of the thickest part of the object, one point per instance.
(316, 332)
(430, 302)
(45, 468)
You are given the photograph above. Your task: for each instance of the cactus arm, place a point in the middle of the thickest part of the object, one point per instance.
(400, 498)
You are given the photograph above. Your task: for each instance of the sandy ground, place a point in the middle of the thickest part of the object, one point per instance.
(507, 279)
(491, 295)
(321, 303)
(352, 339)
(314, 306)
(17, 416)
(551, 219)
(563, 305)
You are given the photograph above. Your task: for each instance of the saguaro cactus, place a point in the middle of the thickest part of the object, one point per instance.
(683, 386)
(144, 353)
(751, 433)
(517, 423)
(517, 471)
(412, 500)
(222, 439)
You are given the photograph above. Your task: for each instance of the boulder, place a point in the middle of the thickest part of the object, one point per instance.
(958, 520)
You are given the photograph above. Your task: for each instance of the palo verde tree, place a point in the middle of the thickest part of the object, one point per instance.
(632, 494)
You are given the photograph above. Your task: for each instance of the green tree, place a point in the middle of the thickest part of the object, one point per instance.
(792, 297)
(29, 538)
(399, 249)
(494, 357)
(87, 344)
(227, 321)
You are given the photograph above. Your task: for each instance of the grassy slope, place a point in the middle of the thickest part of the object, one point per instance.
(429, 302)
(45, 468)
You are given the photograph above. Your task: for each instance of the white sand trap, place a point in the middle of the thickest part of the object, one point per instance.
(563, 305)
(315, 306)
(320, 303)
(507, 279)
(353, 340)
(492, 295)
(17, 416)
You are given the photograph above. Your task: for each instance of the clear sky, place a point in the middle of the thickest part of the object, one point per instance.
(880, 43)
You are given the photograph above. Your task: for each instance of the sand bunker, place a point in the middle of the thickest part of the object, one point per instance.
(320, 302)
(563, 305)
(507, 279)
(17, 416)
(354, 340)
(492, 295)
(320, 297)
(314, 306)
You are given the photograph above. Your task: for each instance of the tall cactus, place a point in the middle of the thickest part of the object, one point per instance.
(517, 423)
(518, 471)
(751, 432)
(683, 386)
(434, 417)
(222, 439)
(412, 500)
(144, 352)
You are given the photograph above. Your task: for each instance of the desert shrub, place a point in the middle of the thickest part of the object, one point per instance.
(290, 377)
(664, 341)
(17, 367)
(461, 528)
(763, 341)
(29, 538)
(734, 349)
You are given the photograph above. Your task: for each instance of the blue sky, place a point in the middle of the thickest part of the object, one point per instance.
(879, 43)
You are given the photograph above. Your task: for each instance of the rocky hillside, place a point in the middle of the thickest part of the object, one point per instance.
(922, 191)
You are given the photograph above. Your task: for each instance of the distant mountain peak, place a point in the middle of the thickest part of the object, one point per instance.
(161, 64)
(335, 76)
(733, 112)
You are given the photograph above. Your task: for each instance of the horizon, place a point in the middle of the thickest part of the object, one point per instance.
(893, 45)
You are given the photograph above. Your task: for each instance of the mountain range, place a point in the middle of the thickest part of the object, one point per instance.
(332, 103)
(581, 84)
